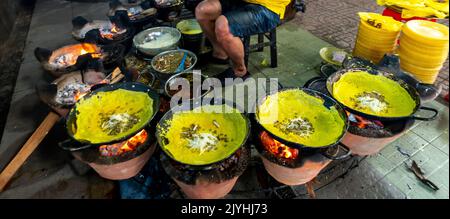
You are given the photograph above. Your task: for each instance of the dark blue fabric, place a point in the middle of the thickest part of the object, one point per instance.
(247, 19)
(151, 183)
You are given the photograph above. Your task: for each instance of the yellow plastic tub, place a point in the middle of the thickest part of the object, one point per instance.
(412, 55)
(425, 75)
(421, 63)
(368, 54)
(407, 43)
(427, 32)
(368, 39)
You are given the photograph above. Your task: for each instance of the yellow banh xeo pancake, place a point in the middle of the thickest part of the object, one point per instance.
(110, 116)
(204, 135)
(373, 94)
(298, 117)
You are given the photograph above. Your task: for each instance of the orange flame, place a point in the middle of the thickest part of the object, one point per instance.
(277, 148)
(363, 123)
(114, 30)
(79, 95)
(90, 48)
(126, 146)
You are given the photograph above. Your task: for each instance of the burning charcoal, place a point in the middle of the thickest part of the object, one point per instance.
(69, 94)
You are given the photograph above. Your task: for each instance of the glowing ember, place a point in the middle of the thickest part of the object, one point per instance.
(120, 148)
(112, 32)
(72, 92)
(363, 123)
(277, 148)
(68, 56)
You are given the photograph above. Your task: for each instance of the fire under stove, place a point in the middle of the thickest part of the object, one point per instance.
(140, 12)
(289, 165)
(116, 30)
(117, 161)
(365, 136)
(70, 58)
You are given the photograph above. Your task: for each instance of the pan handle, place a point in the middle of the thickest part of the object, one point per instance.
(72, 146)
(341, 157)
(435, 114)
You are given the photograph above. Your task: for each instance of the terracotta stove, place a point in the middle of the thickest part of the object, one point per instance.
(115, 30)
(289, 165)
(207, 182)
(139, 13)
(122, 160)
(72, 57)
(368, 137)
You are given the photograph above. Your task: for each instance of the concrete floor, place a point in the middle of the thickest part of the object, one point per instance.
(51, 173)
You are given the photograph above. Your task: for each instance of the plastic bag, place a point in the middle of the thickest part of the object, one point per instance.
(381, 22)
(419, 8)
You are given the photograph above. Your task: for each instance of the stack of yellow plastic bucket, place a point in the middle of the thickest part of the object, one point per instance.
(377, 36)
(423, 49)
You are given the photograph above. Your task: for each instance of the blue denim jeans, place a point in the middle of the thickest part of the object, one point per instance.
(247, 19)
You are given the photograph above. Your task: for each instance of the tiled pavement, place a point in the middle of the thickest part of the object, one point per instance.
(336, 22)
(47, 174)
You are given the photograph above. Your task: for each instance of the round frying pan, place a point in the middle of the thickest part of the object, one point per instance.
(328, 102)
(190, 105)
(411, 90)
(131, 86)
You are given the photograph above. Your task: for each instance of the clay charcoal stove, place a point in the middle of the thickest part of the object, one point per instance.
(115, 30)
(73, 57)
(208, 182)
(140, 12)
(365, 136)
(300, 157)
(290, 165)
(66, 90)
(121, 160)
(205, 153)
(368, 137)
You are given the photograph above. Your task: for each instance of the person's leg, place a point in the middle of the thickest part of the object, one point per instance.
(232, 45)
(247, 20)
(207, 13)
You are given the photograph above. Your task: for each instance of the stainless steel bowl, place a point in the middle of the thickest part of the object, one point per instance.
(191, 76)
(147, 36)
(162, 76)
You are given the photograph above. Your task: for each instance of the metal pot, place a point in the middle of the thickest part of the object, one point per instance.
(152, 34)
(162, 76)
(169, 10)
(191, 77)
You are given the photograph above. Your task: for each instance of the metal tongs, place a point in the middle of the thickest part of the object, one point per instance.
(420, 175)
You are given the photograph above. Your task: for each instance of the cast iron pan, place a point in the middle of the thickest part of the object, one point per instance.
(190, 105)
(411, 90)
(328, 102)
(74, 144)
